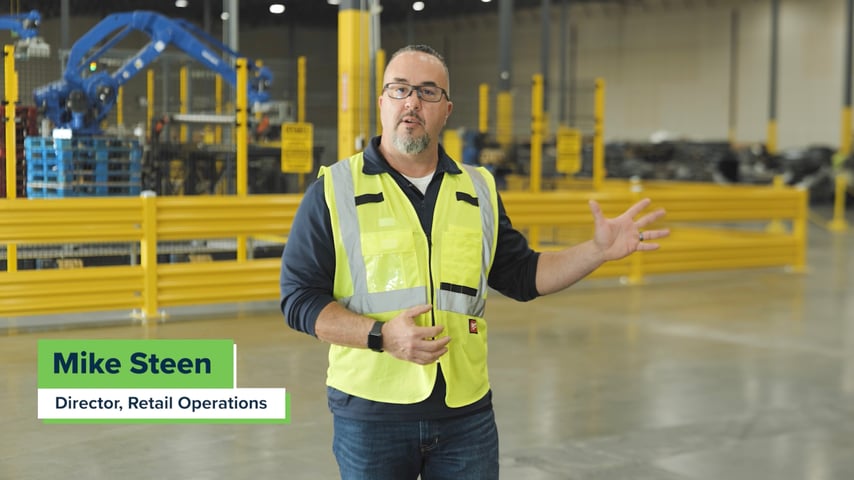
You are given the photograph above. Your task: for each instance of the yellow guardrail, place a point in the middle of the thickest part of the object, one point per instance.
(712, 228)
(149, 286)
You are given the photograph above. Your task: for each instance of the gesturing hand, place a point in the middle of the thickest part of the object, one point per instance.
(623, 235)
(405, 340)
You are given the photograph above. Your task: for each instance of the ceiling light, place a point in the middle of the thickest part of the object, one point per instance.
(418, 6)
(277, 8)
(485, 1)
(334, 2)
(181, 3)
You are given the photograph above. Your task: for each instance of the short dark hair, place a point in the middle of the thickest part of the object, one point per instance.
(423, 49)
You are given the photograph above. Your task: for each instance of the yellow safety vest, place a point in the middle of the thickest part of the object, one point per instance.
(384, 264)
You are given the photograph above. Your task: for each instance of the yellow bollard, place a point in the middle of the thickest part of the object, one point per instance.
(838, 223)
(776, 226)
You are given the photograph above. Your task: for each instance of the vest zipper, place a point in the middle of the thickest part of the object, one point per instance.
(430, 279)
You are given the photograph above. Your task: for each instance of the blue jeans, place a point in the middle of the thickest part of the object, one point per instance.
(463, 448)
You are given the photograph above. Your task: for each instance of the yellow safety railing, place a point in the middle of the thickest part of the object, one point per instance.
(712, 228)
(23, 222)
(143, 222)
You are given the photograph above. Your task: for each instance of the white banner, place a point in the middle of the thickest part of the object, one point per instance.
(162, 404)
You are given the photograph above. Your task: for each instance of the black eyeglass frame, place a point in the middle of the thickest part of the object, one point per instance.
(417, 88)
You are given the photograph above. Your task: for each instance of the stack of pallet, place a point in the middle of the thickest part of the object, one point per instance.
(83, 167)
(26, 125)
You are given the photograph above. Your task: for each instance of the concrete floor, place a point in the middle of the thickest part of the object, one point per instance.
(708, 376)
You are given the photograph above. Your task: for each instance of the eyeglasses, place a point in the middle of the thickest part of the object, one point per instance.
(428, 93)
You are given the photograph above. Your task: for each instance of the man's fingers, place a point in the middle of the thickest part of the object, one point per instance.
(432, 345)
(635, 209)
(655, 234)
(428, 332)
(650, 217)
(595, 209)
(418, 310)
(429, 351)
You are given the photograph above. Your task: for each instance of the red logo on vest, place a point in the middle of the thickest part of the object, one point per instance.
(472, 325)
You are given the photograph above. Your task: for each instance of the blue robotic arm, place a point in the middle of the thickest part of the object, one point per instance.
(26, 25)
(81, 102)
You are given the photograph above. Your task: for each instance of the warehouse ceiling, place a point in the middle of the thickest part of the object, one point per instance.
(305, 12)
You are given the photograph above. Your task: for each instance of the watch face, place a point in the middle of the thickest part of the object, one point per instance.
(375, 338)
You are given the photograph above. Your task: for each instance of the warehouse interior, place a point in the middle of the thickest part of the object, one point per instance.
(158, 152)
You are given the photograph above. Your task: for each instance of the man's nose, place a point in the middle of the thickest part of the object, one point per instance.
(413, 101)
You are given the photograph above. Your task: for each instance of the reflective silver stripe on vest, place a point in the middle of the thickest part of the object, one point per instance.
(379, 302)
(460, 302)
(345, 203)
(362, 301)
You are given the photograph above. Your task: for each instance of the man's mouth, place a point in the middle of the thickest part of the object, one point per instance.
(411, 120)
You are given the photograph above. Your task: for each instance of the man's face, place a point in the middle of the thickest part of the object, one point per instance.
(411, 122)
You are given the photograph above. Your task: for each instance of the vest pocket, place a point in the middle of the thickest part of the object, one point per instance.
(391, 262)
(461, 259)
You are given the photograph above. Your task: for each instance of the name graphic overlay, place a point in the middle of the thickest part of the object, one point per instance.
(149, 381)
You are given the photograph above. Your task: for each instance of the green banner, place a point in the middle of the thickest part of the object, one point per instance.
(125, 363)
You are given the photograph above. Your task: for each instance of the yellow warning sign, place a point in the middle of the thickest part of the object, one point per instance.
(297, 147)
(568, 150)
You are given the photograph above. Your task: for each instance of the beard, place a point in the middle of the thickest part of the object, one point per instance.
(411, 145)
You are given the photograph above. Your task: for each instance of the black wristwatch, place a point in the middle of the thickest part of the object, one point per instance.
(375, 338)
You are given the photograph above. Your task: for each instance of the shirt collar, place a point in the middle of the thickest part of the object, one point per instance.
(375, 163)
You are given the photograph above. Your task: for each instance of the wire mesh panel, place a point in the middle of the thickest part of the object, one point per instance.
(31, 72)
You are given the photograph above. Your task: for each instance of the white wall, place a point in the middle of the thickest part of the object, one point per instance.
(666, 67)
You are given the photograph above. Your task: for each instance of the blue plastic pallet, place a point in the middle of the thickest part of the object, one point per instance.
(64, 190)
(83, 172)
(84, 148)
(85, 166)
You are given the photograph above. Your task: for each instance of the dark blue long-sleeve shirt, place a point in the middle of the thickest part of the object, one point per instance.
(308, 272)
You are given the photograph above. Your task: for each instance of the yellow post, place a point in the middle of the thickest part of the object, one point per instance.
(11, 92)
(218, 108)
(483, 109)
(776, 225)
(301, 77)
(120, 107)
(353, 78)
(845, 137)
(799, 230)
(11, 95)
(536, 134)
(504, 124)
(301, 89)
(183, 91)
(838, 223)
(771, 142)
(536, 174)
(149, 97)
(379, 72)
(148, 255)
(599, 134)
(242, 141)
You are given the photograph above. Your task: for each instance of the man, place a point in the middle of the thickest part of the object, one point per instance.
(389, 260)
